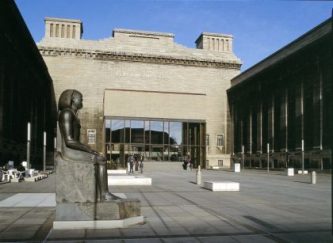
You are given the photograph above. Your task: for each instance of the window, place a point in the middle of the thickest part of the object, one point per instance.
(220, 140)
(117, 135)
(137, 131)
(156, 130)
(176, 133)
(220, 163)
(207, 139)
(107, 131)
(157, 139)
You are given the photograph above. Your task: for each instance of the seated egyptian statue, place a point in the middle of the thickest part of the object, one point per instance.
(72, 149)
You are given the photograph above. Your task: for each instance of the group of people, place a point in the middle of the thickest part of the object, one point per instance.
(135, 161)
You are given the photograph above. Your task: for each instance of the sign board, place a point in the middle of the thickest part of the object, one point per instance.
(91, 135)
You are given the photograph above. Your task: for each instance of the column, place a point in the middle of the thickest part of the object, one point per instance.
(272, 129)
(48, 30)
(44, 151)
(259, 147)
(321, 114)
(241, 133)
(286, 118)
(28, 144)
(250, 137)
(302, 111)
(273, 123)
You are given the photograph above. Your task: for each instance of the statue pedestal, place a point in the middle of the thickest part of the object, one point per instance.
(77, 204)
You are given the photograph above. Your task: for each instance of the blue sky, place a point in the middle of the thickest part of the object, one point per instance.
(259, 27)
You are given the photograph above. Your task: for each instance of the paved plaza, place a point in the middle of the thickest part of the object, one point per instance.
(268, 208)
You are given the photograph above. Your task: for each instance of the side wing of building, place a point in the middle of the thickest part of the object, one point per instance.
(282, 105)
(26, 93)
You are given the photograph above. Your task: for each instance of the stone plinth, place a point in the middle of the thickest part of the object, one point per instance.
(77, 204)
(75, 181)
(108, 210)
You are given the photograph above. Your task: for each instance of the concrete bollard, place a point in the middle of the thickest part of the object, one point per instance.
(199, 175)
(313, 177)
(290, 172)
(237, 167)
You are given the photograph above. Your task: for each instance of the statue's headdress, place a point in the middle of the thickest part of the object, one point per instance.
(65, 100)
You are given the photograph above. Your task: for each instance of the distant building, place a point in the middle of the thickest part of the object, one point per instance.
(284, 100)
(145, 93)
(26, 93)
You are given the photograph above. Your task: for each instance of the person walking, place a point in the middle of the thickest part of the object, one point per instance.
(136, 162)
(141, 163)
(131, 161)
(190, 162)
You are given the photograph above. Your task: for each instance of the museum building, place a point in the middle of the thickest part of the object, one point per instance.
(144, 93)
(26, 94)
(282, 106)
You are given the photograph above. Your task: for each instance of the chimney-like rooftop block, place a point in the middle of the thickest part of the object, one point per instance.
(63, 28)
(215, 42)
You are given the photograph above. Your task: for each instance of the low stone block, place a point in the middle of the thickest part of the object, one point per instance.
(14, 179)
(117, 172)
(226, 186)
(100, 224)
(305, 172)
(237, 167)
(129, 181)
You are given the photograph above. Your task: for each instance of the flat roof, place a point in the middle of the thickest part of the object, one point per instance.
(63, 20)
(142, 32)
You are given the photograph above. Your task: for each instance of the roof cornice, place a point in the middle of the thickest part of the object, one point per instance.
(142, 32)
(136, 57)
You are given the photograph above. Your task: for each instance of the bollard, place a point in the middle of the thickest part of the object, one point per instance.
(199, 175)
(237, 167)
(290, 172)
(313, 177)
(128, 167)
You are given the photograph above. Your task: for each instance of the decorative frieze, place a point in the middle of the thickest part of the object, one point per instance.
(135, 57)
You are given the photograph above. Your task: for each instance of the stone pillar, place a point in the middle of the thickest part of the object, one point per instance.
(273, 122)
(286, 117)
(250, 137)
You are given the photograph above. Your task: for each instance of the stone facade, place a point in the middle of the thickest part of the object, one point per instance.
(143, 61)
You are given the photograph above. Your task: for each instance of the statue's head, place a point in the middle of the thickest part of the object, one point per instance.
(70, 98)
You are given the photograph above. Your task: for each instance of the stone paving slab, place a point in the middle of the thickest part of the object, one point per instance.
(29, 200)
(270, 208)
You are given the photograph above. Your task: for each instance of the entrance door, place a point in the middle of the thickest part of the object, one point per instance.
(156, 152)
(137, 149)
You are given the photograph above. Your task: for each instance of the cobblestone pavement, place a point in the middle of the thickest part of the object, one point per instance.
(268, 208)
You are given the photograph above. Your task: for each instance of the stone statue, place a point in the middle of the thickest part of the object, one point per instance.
(72, 149)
